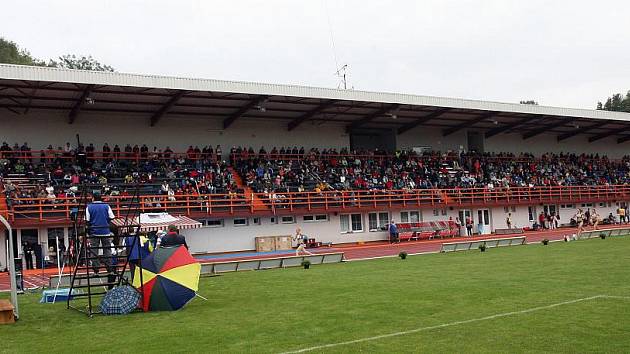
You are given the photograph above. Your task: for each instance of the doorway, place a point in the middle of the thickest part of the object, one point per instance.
(483, 222)
(463, 216)
(476, 142)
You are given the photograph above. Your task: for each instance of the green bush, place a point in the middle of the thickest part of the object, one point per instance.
(306, 264)
(602, 236)
(545, 242)
(482, 247)
(402, 255)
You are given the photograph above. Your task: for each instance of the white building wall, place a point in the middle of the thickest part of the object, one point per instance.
(40, 128)
(239, 238)
(548, 143)
(514, 143)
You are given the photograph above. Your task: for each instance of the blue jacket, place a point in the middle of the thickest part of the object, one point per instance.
(98, 216)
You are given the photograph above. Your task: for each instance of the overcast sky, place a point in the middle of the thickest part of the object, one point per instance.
(559, 53)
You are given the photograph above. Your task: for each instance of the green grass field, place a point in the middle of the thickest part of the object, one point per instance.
(290, 309)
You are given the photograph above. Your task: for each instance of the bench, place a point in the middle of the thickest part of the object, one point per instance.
(607, 232)
(490, 243)
(269, 263)
(512, 231)
(6, 312)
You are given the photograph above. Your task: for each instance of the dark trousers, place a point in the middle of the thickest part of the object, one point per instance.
(29, 260)
(105, 242)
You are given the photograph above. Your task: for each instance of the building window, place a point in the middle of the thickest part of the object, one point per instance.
(567, 206)
(213, 222)
(531, 211)
(378, 221)
(513, 209)
(314, 218)
(287, 219)
(587, 205)
(351, 223)
(256, 221)
(240, 222)
(273, 220)
(410, 216)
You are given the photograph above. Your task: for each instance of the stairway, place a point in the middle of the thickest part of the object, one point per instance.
(257, 203)
(4, 207)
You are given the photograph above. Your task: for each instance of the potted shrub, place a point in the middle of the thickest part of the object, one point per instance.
(402, 255)
(482, 247)
(545, 242)
(306, 264)
(602, 236)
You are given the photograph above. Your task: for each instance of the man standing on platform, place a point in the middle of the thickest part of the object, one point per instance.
(98, 215)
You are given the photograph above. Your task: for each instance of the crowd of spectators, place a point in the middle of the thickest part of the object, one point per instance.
(55, 173)
(376, 170)
(58, 173)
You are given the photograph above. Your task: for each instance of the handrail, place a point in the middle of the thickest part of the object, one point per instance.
(43, 209)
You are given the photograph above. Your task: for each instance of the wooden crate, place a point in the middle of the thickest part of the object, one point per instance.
(6, 312)
(265, 243)
(283, 242)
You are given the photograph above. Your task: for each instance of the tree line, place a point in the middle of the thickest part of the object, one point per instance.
(11, 53)
(616, 102)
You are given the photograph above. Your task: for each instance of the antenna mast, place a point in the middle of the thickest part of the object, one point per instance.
(341, 74)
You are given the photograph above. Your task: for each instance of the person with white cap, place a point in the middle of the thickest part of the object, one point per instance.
(393, 232)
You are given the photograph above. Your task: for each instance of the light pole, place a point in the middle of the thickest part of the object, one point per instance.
(14, 299)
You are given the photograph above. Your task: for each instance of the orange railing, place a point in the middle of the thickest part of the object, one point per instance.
(52, 155)
(4, 208)
(43, 210)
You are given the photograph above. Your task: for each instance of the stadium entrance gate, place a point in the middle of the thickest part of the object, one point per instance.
(371, 139)
(475, 141)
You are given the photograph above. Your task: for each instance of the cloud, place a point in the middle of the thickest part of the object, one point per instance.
(561, 53)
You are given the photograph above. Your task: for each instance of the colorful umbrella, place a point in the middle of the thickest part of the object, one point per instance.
(120, 300)
(170, 279)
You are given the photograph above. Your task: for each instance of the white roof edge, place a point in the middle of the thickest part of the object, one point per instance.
(37, 73)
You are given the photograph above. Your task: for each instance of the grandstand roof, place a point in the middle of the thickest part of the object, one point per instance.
(23, 88)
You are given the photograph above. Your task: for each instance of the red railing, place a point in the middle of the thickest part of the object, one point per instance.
(51, 155)
(44, 210)
(4, 208)
(287, 156)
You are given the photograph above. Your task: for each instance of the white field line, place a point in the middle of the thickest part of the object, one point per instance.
(456, 323)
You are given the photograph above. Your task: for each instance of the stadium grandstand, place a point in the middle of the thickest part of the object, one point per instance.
(248, 159)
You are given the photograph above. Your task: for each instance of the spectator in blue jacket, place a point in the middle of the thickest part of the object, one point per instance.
(393, 232)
